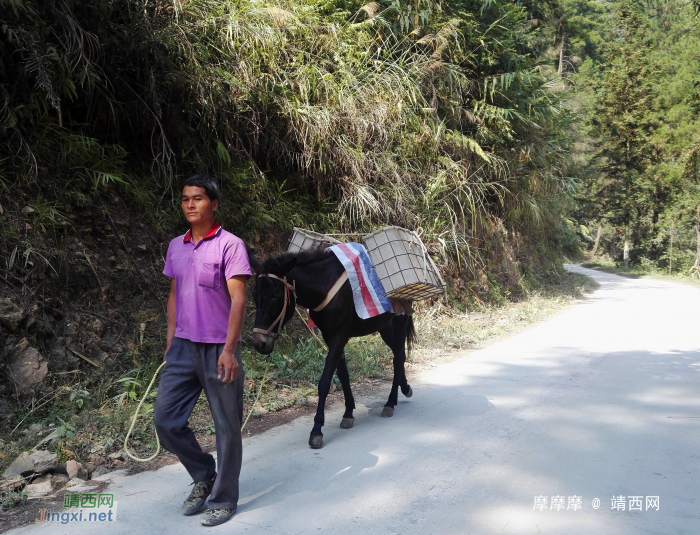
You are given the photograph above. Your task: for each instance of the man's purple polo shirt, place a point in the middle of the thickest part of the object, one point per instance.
(202, 300)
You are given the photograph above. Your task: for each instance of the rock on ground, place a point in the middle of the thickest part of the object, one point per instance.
(42, 486)
(27, 367)
(59, 480)
(74, 469)
(102, 470)
(118, 456)
(10, 484)
(10, 314)
(37, 462)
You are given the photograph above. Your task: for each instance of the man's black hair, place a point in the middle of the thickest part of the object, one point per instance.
(208, 183)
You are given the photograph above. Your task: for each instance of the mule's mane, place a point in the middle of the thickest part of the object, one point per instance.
(303, 258)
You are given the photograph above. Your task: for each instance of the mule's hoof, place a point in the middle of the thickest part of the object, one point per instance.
(347, 423)
(315, 441)
(388, 412)
(408, 393)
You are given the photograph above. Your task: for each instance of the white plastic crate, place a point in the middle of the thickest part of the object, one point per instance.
(308, 240)
(403, 264)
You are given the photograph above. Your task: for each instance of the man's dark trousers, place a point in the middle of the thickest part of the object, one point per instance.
(191, 367)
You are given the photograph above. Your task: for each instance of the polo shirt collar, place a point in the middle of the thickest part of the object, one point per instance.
(212, 232)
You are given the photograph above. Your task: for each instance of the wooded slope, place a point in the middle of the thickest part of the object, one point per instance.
(337, 116)
(638, 88)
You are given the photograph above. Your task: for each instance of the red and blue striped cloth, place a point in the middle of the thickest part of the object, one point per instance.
(368, 293)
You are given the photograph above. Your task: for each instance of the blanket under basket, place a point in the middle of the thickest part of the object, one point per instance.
(367, 292)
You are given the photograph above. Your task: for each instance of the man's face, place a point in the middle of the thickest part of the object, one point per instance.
(197, 206)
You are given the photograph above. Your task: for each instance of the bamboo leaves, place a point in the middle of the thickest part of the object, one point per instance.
(404, 112)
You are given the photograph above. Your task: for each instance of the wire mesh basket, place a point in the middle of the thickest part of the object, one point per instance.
(403, 264)
(308, 240)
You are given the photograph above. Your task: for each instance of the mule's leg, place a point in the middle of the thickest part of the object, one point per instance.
(335, 352)
(395, 337)
(344, 376)
(407, 331)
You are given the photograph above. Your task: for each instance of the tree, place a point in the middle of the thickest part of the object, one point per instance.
(640, 121)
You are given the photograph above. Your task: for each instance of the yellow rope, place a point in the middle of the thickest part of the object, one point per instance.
(257, 397)
(133, 421)
(306, 323)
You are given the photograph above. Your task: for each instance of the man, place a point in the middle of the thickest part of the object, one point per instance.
(208, 268)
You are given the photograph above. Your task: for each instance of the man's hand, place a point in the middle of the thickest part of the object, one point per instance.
(227, 366)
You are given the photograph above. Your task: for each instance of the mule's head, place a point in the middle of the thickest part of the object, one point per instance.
(274, 300)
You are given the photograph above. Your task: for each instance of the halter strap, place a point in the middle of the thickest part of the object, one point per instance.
(290, 289)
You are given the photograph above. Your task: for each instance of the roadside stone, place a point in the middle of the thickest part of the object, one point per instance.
(97, 459)
(40, 487)
(102, 470)
(44, 461)
(21, 465)
(60, 481)
(118, 456)
(10, 484)
(73, 468)
(38, 462)
(27, 367)
(10, 314)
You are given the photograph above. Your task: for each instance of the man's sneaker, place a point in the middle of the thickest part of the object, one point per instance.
(214, 517)
(201, 491)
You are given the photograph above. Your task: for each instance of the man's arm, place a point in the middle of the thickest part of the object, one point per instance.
(228, 365)
(171, 317)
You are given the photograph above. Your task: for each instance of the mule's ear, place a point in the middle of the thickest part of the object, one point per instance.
(254, 262)
(285, 267)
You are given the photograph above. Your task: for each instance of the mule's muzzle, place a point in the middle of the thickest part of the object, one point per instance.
(263, 343)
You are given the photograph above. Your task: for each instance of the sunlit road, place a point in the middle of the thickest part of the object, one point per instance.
(600, 401)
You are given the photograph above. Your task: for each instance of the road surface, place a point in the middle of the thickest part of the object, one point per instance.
(601, 401)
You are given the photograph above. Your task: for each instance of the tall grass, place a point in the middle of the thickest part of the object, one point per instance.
(334, 116)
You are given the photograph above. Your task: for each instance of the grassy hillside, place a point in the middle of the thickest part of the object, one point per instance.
(335, 116)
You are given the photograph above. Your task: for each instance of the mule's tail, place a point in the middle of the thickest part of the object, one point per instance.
(410, 334)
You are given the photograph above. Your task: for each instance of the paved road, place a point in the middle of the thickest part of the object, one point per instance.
(602, 400)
